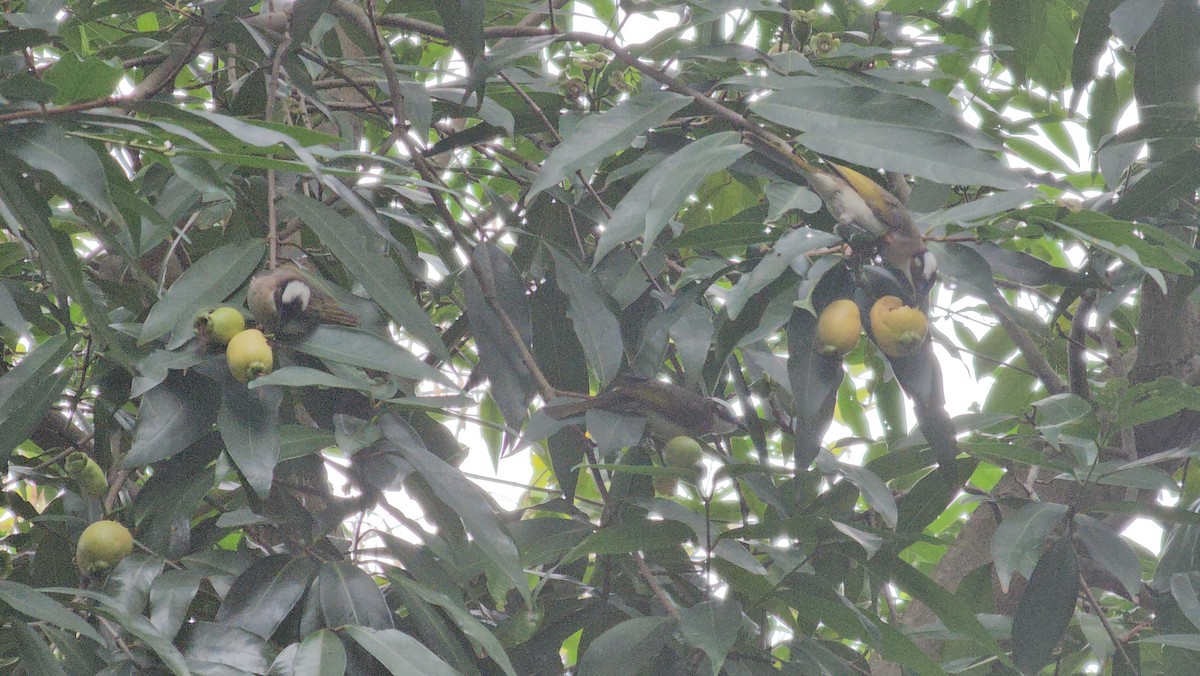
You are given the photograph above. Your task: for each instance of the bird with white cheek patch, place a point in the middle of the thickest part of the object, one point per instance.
(289, 301)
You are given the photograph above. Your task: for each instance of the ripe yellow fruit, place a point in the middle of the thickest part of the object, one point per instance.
(249, 355)
(220, 324)
(102, 545)
(898, 330)
(838, 328)
(682, 452)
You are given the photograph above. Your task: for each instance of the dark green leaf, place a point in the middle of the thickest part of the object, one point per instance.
(399, 653)
(249, 425)
(1045, 608)
(595, 326)
(206, 283)
(348, 596)
(712, 626)
(1017, 540)
(626, 648)
(35, 604)
(360, 348)
(29, 390)
(172, 416)
(599, 136)
(263, 596)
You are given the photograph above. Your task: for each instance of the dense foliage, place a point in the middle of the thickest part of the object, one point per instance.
(519, 202)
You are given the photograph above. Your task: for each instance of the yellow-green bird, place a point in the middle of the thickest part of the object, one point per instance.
(863, 207)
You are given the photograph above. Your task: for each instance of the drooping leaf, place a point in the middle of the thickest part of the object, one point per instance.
(1045, 607)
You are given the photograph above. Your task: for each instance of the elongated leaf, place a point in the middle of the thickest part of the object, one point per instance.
(461, 617)
(35, 653)
(712, 626)
(651, 203)
(597, 328)
(783, 253)
(220, 645)
(321, 653)
(1110, 550)
(39, 606)
(29, 390)
(950, 610)
(627, 647)
(170, 596)
(1017, 539)
(1045, 608)
(814, 380)
(57, 255)
(263, 596)
(207, 282)
(491, 282)
(462, 495)
(348, 596)
(630, 536)
(399, 653)
(359, 348)
(71, 161)
(599, 136)
(172, 416)
(249, 426)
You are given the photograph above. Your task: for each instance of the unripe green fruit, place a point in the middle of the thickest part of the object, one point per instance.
(249, 355)
(102, 545)
(682, 452)
(80, 467)
(220, 324)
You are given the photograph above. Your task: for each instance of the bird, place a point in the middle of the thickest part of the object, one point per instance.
(289, 301)
(863, 208)
(670, 410)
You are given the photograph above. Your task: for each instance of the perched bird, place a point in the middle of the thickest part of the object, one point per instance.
(290, 301)
(670, 410)
(863, 208)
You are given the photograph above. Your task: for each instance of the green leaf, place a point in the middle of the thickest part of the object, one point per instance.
(1018, 538)
(462, 617)
(463, 496)
(209, 281)
(249, 426)
(34, 653)
(71, 161)
(29, 390)
(599, 136)
(492, 281)
(399, 653)
(595, 325)
(949, 609)
(171, 594)
(1184, 590)
(82, 80)
(57, 255)
(172, 417)
(264, 594)
(367, 350)
(358, 249)
(630, 536)
(712, 626)
(657, 196)
(887, 130)
(1107, 548)
(783, 253)
(220, 645)
(321, 653)
(348, 596)
(1045, 608)
(626, 648)
(39, 606)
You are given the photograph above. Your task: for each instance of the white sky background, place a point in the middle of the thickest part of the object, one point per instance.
(964, 392)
